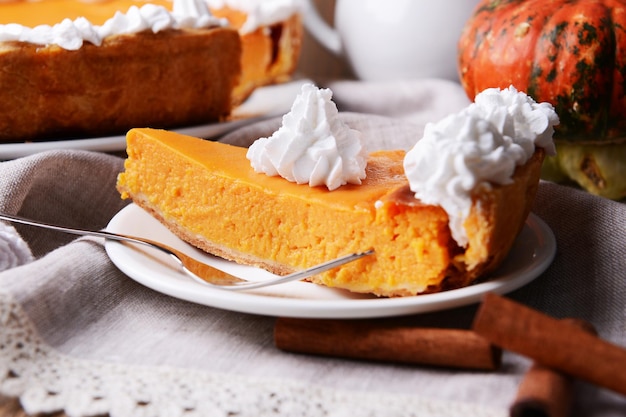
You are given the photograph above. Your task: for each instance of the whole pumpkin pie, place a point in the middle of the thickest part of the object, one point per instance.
(270, 30)
(142, 67)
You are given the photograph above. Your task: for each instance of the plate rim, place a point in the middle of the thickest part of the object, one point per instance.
(272, 305)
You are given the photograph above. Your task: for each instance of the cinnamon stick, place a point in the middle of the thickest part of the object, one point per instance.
(386, 342)
(553, 343)
(545, 391)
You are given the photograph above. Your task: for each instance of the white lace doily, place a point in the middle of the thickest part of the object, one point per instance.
(47, 381)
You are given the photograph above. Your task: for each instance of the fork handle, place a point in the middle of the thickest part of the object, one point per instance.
(74, 231)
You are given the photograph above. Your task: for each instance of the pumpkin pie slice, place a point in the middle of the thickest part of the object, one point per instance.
(208, 194)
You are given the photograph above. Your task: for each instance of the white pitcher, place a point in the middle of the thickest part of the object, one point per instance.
(394, 39)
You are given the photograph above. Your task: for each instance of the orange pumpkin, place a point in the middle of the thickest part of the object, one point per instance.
(569, 53)
(572, 54)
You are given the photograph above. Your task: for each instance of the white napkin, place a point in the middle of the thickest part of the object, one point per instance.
(82, 337)
(13, 250)
(415, 101)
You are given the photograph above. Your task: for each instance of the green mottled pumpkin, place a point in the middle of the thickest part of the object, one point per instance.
(571, 53)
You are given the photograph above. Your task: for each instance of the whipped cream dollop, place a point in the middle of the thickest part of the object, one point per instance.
(479, 146)
(70, 34)
(259, 13)
(312, 145)
(519, 116)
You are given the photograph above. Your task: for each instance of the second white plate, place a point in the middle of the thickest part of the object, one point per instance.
(532, 253)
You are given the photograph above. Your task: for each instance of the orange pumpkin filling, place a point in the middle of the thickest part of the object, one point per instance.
(51, 12)
(269, 54)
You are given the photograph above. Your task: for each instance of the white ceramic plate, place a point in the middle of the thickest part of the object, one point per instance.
(265, 102)
(532, 253)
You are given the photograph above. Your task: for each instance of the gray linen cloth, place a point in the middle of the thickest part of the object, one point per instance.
(79, 336)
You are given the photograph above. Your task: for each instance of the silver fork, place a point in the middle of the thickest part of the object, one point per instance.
(195, 269)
